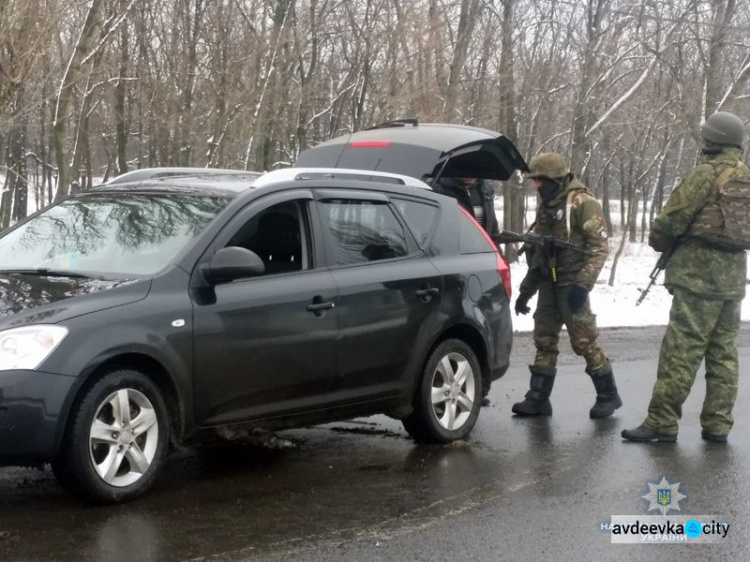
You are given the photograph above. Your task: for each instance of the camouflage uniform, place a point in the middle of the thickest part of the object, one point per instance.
(569, 212)
(575, 209)
(708, 285)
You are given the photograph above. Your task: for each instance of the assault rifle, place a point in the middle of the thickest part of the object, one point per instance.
(548, 244)
(661, 264)
(532, 238)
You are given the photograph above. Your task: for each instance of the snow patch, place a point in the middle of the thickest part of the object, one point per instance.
(615, 306)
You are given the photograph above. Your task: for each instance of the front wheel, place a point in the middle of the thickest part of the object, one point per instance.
(116, 439)
(449, 395)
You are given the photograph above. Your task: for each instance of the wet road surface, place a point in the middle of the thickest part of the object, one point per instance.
(519, 489)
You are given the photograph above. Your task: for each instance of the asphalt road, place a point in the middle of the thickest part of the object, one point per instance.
(519, 489)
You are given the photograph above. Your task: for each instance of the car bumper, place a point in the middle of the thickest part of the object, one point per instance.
(31, 404)
(503, 340)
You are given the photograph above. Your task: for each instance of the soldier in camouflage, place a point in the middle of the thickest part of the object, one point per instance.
(570, 212)
(707, 284)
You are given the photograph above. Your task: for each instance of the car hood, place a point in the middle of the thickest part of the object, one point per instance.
(421, 151)
(33, 299)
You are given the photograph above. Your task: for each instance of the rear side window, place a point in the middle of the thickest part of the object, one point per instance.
(472, 239)
(419, 216)
(363, 231)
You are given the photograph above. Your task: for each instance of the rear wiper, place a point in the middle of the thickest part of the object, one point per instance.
(47, 272)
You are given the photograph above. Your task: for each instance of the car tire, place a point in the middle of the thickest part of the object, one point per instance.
(446, 409)
(116, 439)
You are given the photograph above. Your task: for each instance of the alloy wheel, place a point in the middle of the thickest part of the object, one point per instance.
(124, 437)
(453, 391)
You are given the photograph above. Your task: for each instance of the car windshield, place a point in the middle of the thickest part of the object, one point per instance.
(111, 235)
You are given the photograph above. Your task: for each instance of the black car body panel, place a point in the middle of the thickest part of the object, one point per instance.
(266, 350)
(33, 404)
(484, 304)
(33, 299)
(30, 298)
(421, 151)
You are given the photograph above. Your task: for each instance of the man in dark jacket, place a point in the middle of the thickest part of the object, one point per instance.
(476, 196)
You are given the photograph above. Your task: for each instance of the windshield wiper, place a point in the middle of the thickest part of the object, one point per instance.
(47, 272)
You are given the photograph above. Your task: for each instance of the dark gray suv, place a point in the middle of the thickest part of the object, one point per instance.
(167, 305)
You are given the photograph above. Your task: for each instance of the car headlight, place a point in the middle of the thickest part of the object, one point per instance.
(27, 347)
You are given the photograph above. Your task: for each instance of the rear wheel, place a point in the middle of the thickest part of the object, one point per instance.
(449, 395)
(116, 439)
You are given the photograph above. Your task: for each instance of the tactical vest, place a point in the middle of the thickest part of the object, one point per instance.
(555, 220)
(724, 222)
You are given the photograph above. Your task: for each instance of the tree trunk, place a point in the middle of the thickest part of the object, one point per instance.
(258, 149)
(466, 22)
(632, 203)
(623, 238)
(6, 203)
(623, 188)
(46, 183)
(722, 17)
(121, 125)
(512, 194)
(65, 97)
(605, 198)
(185, 127)
(582, 110)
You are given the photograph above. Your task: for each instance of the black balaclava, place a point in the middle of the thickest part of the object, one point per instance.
(548, 190)
(710, 149)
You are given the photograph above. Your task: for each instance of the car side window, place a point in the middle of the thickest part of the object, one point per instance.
(280, 235)
(471, 237)
(363, 231)
(420, 217)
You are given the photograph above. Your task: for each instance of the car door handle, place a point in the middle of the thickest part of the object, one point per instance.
(431, 292)
(320, 306)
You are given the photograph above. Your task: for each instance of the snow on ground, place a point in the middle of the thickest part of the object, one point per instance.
(615, 306)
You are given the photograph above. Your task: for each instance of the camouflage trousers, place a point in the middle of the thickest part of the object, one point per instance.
(699, 328)
(552, 311)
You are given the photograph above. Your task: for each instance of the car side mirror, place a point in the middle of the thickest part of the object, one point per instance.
(233, 263)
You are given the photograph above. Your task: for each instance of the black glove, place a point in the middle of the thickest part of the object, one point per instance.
(577, 297)
(522, 303)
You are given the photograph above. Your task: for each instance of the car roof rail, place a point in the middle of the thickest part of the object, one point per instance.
(398, 122)
(303, 173)
(311, 175)
(156, 173)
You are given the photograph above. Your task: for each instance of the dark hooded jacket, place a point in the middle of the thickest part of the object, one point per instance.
(454, 187)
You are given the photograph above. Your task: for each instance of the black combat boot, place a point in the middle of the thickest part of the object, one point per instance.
(713, 437)
(607, 399)
(537, 401)
(642, 434)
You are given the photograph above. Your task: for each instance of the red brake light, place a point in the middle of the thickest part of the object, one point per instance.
(363, 144)
(503, 267)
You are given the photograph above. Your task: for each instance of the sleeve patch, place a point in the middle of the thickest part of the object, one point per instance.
(592, 224)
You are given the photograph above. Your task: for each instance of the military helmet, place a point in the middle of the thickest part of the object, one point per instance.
(723, 128)
(547, 165)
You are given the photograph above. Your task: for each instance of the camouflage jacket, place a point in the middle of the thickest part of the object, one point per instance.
(695, 266)
(574, 215)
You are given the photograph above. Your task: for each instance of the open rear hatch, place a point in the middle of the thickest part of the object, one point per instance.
(421, 151)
